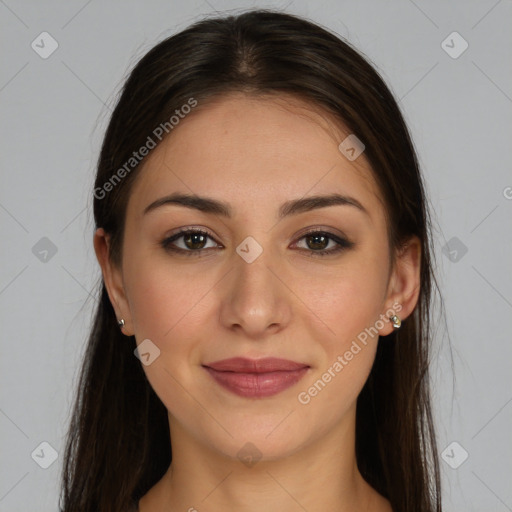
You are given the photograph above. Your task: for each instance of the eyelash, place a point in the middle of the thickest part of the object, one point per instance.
(343, 244)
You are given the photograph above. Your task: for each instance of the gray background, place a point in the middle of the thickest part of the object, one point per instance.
(54, 113)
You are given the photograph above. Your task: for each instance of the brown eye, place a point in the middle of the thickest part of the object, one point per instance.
(321, 243)
(317, 241)
(195, 240)
(189, 241)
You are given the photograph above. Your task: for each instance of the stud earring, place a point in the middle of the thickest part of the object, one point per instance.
(120, 323)
(395, 320)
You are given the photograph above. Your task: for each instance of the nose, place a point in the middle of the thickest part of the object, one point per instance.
(254, 299)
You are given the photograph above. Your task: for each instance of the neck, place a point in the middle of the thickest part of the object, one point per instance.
(322, 475)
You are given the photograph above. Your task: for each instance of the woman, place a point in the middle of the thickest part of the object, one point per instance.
(261, 339)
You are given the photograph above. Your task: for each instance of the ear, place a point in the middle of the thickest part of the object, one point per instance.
(404, 283)
(113, 279)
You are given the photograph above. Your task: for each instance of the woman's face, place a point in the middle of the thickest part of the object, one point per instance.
(255, 284)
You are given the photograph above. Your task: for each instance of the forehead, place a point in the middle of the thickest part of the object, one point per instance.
(256, 150)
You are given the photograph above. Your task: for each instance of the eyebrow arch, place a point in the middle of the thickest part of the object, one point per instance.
(293, 207)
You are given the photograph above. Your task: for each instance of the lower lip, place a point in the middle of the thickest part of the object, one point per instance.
(257, 385)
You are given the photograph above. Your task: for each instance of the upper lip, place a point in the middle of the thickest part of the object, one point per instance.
(245, 365)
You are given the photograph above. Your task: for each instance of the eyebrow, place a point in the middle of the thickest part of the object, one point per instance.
(293, 207)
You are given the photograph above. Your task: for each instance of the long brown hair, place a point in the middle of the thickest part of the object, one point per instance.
(118, 442)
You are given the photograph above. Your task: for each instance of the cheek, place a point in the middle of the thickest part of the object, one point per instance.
(169, 308)
(345, 299)
(164, 299)
(349, 304)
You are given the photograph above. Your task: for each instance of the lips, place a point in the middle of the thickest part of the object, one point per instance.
(244, 365)
(256, 378)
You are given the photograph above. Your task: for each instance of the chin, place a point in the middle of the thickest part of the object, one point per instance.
(266, 439)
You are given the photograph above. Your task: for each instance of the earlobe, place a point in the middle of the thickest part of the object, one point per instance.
(404, 284)
(112, 278)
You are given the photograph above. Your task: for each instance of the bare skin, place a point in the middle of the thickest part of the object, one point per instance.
(255, 155)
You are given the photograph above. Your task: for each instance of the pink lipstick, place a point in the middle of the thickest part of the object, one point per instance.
(256, 378)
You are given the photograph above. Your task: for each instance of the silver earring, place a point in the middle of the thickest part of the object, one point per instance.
(120, 323)
(395, 320)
